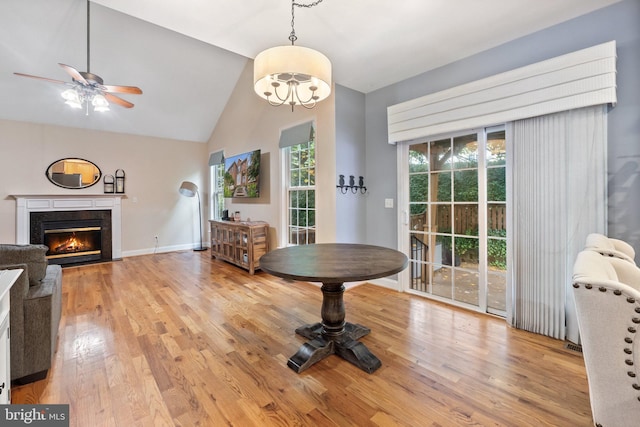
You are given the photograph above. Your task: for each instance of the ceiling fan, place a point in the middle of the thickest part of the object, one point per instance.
(88, 88)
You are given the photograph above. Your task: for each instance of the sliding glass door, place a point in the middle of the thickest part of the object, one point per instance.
(455, 219)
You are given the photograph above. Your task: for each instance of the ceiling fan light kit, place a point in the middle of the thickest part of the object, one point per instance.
(100, 103)
(72, 98)
(78, 95)
(292, 75)
(88, 88)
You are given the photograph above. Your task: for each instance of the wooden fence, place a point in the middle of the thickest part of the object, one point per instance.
(465, 219)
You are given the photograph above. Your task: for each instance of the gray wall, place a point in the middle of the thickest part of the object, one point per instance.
(350, 149)
(620, 22)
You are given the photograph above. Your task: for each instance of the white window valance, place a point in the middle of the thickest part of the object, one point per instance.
(299, 134)
(216, 158)
(579, 79)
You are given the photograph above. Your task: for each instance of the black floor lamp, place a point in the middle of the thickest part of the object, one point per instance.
(189, 189)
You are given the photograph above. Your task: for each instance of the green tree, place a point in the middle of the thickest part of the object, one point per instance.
(253, 171)
(496, 184)
(228, 184)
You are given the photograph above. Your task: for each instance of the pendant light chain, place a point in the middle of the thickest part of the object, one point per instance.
(293, 36)
(88, 38)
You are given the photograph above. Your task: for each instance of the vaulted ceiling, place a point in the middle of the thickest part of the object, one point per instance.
(187, 55)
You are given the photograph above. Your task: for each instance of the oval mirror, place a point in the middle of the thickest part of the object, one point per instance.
(73, 173)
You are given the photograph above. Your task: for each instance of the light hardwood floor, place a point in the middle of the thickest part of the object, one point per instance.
(181, 339)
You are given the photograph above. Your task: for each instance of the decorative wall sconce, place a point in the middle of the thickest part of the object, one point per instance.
(109, 184)
(120, 181)
(344, 189)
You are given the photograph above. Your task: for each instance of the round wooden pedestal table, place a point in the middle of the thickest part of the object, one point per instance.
(333, 264)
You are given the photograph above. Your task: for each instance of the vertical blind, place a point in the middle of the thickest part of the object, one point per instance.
(559, 197)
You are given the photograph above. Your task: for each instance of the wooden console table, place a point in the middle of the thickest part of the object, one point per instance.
(241, 243)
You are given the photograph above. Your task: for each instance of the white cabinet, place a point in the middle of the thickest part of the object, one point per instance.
(7, 279)
(5, 363)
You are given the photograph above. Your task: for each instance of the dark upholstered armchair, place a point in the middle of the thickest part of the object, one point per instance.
(36, 304)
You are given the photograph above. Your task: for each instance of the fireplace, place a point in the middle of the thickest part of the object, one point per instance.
(26, 205)
(73, 237)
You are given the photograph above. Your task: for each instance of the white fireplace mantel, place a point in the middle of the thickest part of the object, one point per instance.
(25, 204)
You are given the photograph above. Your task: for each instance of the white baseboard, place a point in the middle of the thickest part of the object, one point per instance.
(160, 249)
(386, 283)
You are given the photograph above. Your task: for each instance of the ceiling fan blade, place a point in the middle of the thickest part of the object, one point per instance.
(39, 78)
(116, 100)
(75, 74)
(133, 90)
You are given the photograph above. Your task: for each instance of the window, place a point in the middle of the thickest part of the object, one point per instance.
(457, 218)
(301, 194)
(496, 210)
(217, 191)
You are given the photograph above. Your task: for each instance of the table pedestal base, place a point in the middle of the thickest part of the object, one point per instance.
(352, 330)
(344, 345)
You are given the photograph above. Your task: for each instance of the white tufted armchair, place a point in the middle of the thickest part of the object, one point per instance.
(610, 247)
(607, 297)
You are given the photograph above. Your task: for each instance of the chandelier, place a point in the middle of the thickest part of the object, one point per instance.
(292, 75)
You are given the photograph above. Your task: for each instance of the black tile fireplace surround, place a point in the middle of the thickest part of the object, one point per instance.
(55, 220)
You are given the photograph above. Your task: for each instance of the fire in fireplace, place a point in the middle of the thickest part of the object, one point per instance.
(69, 242)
